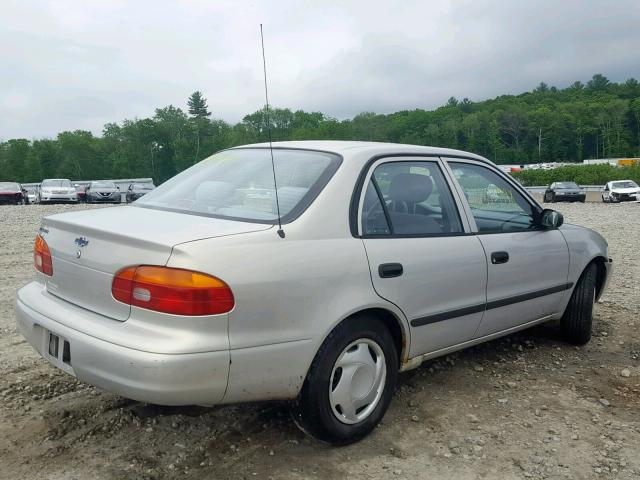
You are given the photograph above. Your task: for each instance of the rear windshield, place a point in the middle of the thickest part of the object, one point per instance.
(624, 184)
(238, 184)
(567, 185)
(103, 185)
(9, 187)
(56, 183)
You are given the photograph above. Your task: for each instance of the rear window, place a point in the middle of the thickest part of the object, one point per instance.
(103, 185)
(9, 186)
(238, 184)
(56, 183)
(624, 184)
(567, 185)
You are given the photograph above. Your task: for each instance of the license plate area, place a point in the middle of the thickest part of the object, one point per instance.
(58, 351)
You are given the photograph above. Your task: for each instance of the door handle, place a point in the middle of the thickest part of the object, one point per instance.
(499, 257)
(390, 270)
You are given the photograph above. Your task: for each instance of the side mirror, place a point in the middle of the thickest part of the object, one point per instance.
(551, 219)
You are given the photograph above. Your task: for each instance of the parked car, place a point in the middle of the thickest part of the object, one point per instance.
(102, 192)
(137, 190)
(564, 192)
(57, 190)
(32, 195)
(81, 191)
(380, 262)
(13, 193)
(620, 191)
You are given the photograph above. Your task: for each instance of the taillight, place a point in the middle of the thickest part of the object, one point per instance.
(172, 290)
(42, 256)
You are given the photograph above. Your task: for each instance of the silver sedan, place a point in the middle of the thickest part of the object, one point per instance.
(387, 255)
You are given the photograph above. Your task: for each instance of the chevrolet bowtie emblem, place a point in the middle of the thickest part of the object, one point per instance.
(81, 242)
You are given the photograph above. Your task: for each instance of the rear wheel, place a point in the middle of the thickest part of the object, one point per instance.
(577, 320)
(350, 382)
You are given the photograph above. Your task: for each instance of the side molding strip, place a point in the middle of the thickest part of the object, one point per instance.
(461, 312)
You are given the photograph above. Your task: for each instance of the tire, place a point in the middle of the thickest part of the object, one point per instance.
(578, 317)
(317, 412)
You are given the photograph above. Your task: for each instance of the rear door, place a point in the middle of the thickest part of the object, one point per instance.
(420, 253)
(527, 265)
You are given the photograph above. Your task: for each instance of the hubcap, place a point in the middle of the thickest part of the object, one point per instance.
(357, 381)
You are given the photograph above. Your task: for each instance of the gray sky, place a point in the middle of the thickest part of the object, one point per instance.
(71, 64)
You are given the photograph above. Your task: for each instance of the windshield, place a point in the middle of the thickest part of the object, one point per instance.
(103, 185)
(56, 183)
(238, 184)
(142, 186)
(567, 185)
(624, 184)
(9, 187)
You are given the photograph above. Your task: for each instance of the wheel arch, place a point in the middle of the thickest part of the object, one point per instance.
(601, 273)
(393, 321)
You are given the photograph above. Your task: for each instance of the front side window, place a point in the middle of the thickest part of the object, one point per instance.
(496, 206)
(409, 198)
(238, 184)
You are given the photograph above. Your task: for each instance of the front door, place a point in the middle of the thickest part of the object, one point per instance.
(527, 265)
(420, 254)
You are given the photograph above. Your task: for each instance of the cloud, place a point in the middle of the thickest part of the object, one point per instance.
(77, 65)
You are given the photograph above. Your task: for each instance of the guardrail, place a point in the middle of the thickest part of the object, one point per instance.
(587, 188)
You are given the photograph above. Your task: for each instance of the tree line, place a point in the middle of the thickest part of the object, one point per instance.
(599, 119)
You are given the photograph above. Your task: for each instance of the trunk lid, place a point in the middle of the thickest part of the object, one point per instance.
(88, 247)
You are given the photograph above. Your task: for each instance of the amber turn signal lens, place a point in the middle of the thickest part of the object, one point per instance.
(42, 256)
(172, 290)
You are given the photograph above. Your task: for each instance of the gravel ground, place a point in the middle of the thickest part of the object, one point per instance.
(526, 406)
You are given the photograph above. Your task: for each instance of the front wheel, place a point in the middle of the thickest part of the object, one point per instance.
(350, 383)
(577, 320)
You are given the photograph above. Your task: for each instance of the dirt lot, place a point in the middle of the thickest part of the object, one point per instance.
(527, 406)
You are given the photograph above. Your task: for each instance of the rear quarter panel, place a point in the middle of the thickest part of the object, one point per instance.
(289, 294)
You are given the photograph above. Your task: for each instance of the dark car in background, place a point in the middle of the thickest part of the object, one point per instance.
(137, 190)
(564, 192)
(102, 192)
(13, 193)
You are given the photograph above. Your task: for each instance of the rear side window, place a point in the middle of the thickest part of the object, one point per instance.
(238, 184)
(409, 198)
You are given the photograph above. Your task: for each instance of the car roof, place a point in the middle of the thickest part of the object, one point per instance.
(346, 147)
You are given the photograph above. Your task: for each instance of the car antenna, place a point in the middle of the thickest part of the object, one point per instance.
(273, 165)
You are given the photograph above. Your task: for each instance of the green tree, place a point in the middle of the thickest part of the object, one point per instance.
(198, 105)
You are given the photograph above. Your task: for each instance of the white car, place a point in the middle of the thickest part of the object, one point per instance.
(387, 255)
(620, 191)
(57, 190)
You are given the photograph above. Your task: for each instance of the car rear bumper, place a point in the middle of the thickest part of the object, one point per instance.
(58, 198)
(165, 379)
(570, 198)
(91, 199)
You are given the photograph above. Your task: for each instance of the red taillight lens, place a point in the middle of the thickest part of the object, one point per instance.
(42, 256)
(172, 290)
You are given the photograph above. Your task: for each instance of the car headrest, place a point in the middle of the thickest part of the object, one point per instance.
(410, 187)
